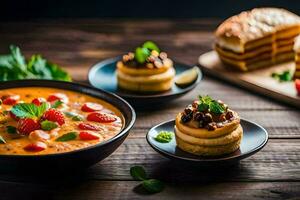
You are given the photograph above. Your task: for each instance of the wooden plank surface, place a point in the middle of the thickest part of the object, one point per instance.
(273, 173)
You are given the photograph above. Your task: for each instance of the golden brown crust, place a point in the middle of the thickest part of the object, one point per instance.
(228, 138)
(141, 71)
(208, 151)
(257, 23)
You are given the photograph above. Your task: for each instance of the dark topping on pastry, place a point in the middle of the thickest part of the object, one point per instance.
(207, 113)
(147, 56)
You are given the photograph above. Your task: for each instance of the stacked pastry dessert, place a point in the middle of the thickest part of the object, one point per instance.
(146, 70)
(208, 128)
(257, 38)
(297, 58)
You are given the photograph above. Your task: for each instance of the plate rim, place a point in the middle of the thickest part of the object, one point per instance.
(209, 160)
(102, 63)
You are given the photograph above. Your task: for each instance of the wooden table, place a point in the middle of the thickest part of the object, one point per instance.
(273, 173)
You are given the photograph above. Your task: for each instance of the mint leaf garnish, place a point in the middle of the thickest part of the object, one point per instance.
(48, 125)
(151, 46)
(211, 105)
(56, 104)
(164, 137)
(11, 129)
(29, 110)
(153, 185)
(67, 137)
(138, 173)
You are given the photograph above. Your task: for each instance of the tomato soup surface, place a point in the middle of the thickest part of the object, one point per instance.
(40, 120)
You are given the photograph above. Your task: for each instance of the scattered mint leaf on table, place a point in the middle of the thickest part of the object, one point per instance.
(151, 185)
(138, 173)
(67, 137)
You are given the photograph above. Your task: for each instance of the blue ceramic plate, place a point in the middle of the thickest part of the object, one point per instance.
(102, 75)
(254, 139)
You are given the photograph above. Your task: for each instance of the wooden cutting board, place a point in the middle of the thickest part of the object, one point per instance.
(259, 81)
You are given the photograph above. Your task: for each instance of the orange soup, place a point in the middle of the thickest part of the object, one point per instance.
(38, 120)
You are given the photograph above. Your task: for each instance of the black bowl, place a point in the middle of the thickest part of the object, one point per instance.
(75, 159)
(103, 76)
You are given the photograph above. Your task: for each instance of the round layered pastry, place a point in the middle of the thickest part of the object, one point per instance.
(146, 70)
(208, 128)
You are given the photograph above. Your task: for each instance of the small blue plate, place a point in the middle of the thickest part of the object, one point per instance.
(254, 139)
(102, 75)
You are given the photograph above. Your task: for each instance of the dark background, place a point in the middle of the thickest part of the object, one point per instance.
(31, 9)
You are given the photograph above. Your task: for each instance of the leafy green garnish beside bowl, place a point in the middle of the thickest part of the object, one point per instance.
(14, 66)
(151, 185)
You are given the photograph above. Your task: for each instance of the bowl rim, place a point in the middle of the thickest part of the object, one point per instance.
(209, 160)
(122, 133)
(107, 61)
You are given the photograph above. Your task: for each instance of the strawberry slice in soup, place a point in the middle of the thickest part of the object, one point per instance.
(35, 147)
(26, 125)
(54, 116)
(58, 97)
(10, 100)
(38, 101)
(101, 117)
(88, 136)
(87, 126)
(91, 107)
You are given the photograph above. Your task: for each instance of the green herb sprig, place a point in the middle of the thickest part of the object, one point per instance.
(285, 76)
(142, 53)
(67, 137)
(151, 185)
(164, 136)
(211, 105)
(13, 66)
(29, 110)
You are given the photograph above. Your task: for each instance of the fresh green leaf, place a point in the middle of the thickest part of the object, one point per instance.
(285, 76)
(138, 173)
(67, 137)
(153, 185)
(77, 118)
(13, 67)
(141, 54)
(164, 137)
(2, 140)
(29, 110)
(151, 46)
(70, 114)
(207, 103)
(48, 125)
(11, 129)
(216, 108)
(56, 104)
